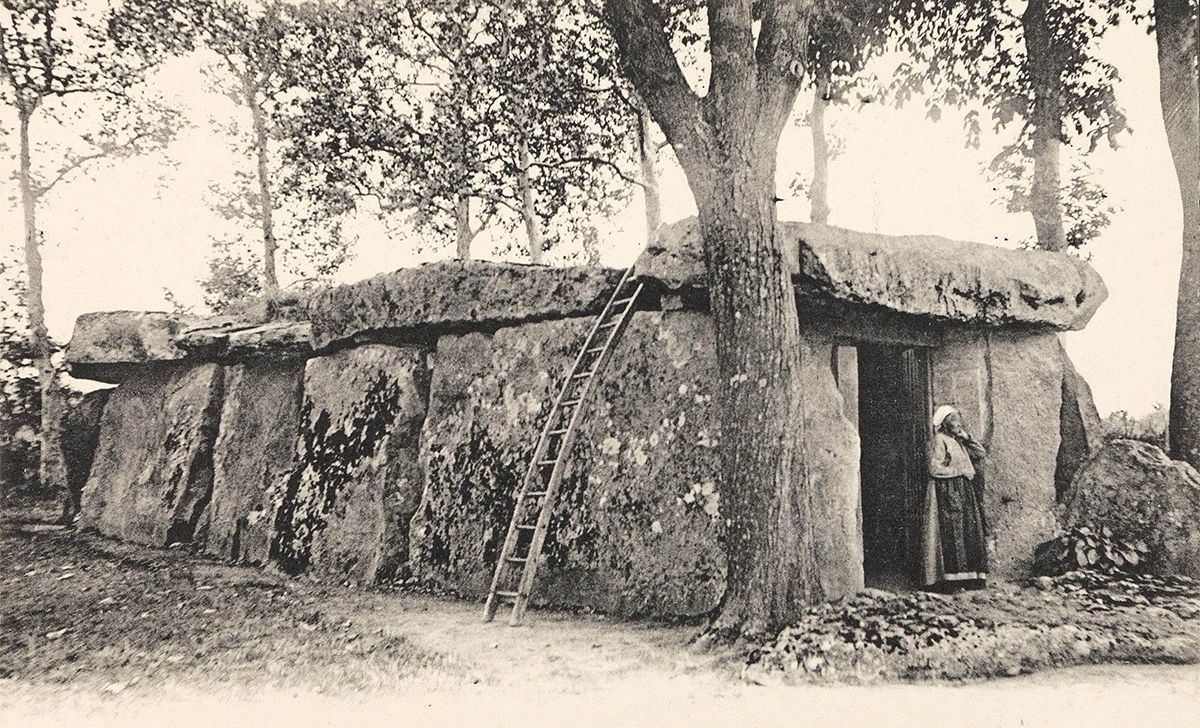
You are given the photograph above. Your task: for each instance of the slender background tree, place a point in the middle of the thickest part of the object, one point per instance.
(60, 68)
(1175, 30)
(1040, 70)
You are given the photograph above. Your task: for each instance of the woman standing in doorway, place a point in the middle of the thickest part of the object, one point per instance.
(955, 530)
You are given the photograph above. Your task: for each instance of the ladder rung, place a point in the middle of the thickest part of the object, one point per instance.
(538, 475)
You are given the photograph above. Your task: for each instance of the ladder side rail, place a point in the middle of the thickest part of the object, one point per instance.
(532, 472)
(547, 426)
(539, 534)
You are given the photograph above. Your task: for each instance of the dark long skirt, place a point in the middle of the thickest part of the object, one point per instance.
(955, 532)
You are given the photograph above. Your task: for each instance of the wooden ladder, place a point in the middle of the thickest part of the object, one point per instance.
(531, 514)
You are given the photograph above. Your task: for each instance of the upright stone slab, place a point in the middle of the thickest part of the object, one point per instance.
(344, 509)
(1026, 396)
(80, 436)
(1080, 430)
(635, 527)
(831, 463)
(259, 423)
(959, 370)
(152, 473)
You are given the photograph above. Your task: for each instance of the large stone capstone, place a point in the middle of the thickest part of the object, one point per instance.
(343, 510)
(458, 295)
(151, 477)
(108, 345)
(1141, 494)
(915, 274)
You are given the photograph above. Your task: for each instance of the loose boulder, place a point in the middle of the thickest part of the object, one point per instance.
(151, 477)
(343, 509)
(1137, 491)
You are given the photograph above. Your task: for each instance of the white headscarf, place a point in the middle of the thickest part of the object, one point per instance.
(940, 414)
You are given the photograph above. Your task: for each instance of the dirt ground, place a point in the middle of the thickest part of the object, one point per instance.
(94, 632)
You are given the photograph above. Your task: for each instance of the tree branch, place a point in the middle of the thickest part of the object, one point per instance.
(651, 65)
(594, 161)
(779, 58)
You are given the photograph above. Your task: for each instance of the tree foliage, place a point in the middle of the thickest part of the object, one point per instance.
(257, 49)
(467, 113)
(1039, 72)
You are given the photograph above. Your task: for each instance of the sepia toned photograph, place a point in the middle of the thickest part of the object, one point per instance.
(599, 363)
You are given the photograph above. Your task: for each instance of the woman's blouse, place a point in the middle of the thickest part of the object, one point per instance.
(949, 458)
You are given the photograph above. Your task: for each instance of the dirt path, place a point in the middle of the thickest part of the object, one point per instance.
(1095, 697)
(96, 633)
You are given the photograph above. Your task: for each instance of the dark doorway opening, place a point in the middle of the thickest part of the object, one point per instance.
(893, 415)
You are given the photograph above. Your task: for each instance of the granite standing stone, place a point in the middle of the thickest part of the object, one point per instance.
(151, 477)
(259, 423)
(344, 509)
(635, 528)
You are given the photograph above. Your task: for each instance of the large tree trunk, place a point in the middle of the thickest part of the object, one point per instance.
(1045, 69)
(727, 143)
(646, 153)
(266, 202)
(52, 469)
(765, 495)
(818, 193)
(1176, 36)
(533, 226)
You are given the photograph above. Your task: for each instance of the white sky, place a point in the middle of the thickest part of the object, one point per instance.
(117, 236)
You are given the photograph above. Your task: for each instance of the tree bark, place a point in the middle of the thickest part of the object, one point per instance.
(726, 143)
(266, 202)
(1175, 35)
(819, 192)
(1045, 67)
(51, 469)
(533, 226)
(463, 236)
(650, 193)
